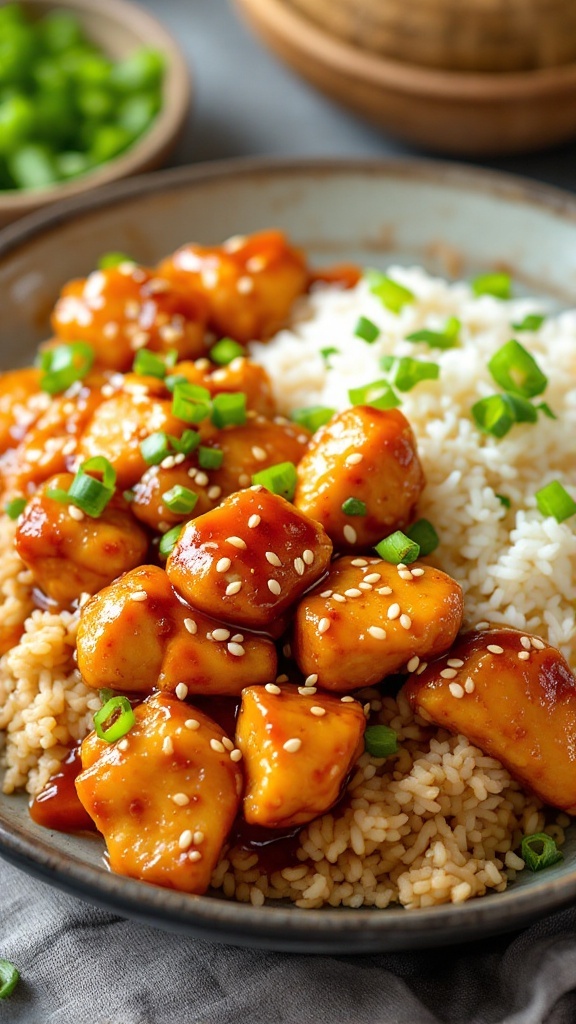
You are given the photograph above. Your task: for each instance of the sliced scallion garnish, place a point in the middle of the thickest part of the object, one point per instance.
(503, 500)
(392, 295)
(63, 365)
(229, 409)
(149, 364)
(186, 443)
(280, 479)
(497, 284)
(366, 329)
(155, 448)
(191, 403)
(224, 351)
(494, 415)
(397, 547)
(210, 458)
(354, 507)
(539, 851)
(531, 322)
(448, 338)
(406, 372)
(545, 409)
(554, 500)
(113, 259)
(328, 351)
(380, 740)
(514, 369)
(9, 978)
(378, 394)
(180, 499)
(173, 379)
(114, 720)
(15, 507)
(169, 540)
(313, 417)
(424, 535)
(86, 492)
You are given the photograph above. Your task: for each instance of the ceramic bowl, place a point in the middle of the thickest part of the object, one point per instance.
(463, 113)
(455, 222)
(118, 28)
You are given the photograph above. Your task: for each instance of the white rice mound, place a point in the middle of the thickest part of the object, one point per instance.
(516, 567)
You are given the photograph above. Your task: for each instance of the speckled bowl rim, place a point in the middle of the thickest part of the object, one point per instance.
(285, 927)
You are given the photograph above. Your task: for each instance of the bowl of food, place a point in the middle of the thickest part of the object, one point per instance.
(477, 83)
(288, 552)
(86, 97)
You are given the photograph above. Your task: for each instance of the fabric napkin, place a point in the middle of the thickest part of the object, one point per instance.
(80, 965)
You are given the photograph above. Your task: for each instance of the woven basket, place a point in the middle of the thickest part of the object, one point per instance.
(458, 35)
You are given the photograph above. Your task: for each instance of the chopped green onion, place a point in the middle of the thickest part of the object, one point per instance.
(9, 978)
(366, 330)
(173, 379)
(514, 369)
(524, 411)
(313, 417)
(169, 540)
(180, 499)
(225, 350)
(545, 409)
(397, 547)
(149, 364)
(64, 365)
(15, 507)
(280, 479)
(186, 443)
(380, 740)
(113, 259)
(191, 402)
(425, 536)
(353, 507)
(392, 295)
(531, 322)
(554, 500)
(503, 500)
(89, 494)
(407, 372)
(498, 285)
(378, 394)
(329, 351)
(229, 408)
(210, 458)
(114, 720)
(448, 338)
(105, 694)
(155, 448)
(494, 415)
(539, 851)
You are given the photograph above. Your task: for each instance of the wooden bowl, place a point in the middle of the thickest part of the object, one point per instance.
(456, 112)
(119, 28)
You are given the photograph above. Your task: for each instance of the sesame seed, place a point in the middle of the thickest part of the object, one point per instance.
(455, 663)
(394, 611)
(123, 745)
(448, 673)
(254, 521)
(214, 492)
(523, 655)
(359, 562)
(167, 746)
(339, 597)
(377, 632)
(272, 688)
(192, 723)
(307, 691)
(223, 564)
(181, 799)
(525, 641)
(287, 651)
(75, 513)
(323, 625)
(421, 668)
(346, 700)
(191, 626)
(221, 634)
(168, 462)
(185, 839)
(274, 587)
(260, 454)
(372, 577)
(326, 593)
(299, 566)
(236, 649)
(413, 663)
(401, 566)
(366, 709)
(272, 558)
(238, 638)
(353, 592)
(192, 472)
(217, 746)
(181, 691)
(312, 679)
(538, 644)
(319, 712)
(139, 595)
(198, 838)
(245, 285)
(456, 690)
(227, 743)
(283, 678)
(244, 480)
(235, 755)
(469, 685)
(308, 556)
(365, 586)
(417, 571)
(179, 459)
(495, 649)
(354, 459)
(236, 542)
(292, 746)
(405, 621)
(350, 534)
(405, 574)
(201, 479)
(384, 591)
(233, 588)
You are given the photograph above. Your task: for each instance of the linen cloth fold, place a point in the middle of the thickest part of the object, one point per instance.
(81, 965)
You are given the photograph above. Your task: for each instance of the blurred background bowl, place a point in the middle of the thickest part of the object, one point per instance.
(118, 28)
(480, 78)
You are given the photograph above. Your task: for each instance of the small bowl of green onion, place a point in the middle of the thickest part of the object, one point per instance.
(89, 93)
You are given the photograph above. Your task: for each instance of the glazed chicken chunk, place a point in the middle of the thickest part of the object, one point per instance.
(368, 619)
(164, 797)
(250, 559)
(71, 553)
(298, 749)
(515, 697)
(136, 635)
(361, 476)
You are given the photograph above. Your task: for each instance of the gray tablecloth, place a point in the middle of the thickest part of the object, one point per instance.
(80, 965)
